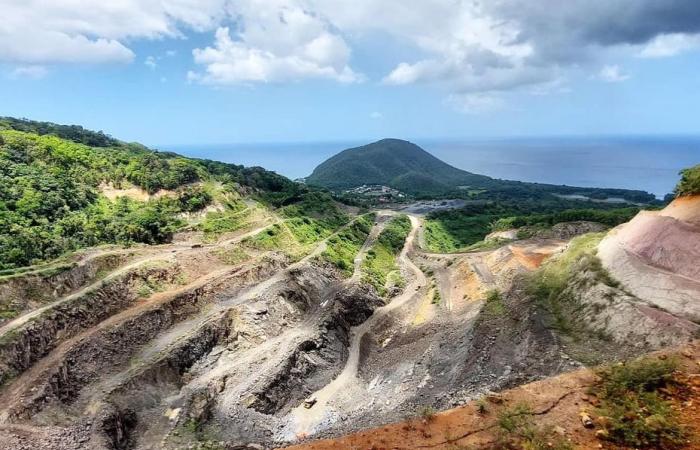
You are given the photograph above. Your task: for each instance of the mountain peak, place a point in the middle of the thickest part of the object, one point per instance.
(392, 162)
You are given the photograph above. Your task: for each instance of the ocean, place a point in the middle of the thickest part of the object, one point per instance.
(646, 163)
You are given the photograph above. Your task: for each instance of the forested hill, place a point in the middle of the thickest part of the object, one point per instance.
(408, 168)
(52, 178)
(391, 162)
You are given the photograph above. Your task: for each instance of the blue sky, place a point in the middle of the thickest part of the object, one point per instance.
(216, 71)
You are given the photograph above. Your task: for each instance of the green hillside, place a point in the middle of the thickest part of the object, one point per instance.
(51, 201)
(391, 162)
(408, 168)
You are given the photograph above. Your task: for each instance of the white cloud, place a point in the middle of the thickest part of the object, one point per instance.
(376, 115)
(274, 41)
(33, 72)
(670, 45)
(462, 46)
(612, 74)
(151, 63)
(70, 31)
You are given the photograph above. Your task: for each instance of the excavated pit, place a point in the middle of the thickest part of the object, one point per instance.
(228, 359)
(25, 344)
(113, 343)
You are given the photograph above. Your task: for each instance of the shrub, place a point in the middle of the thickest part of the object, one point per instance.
(517, 431)
(635, 412)
(494, 303)
(690, 181)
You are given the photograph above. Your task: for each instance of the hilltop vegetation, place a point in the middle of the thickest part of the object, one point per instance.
(690, 182)
(407, 167)
(51, 200)
(449, 231)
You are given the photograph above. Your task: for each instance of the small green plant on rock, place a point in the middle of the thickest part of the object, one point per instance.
(436, 297)
(494, 303)
(428, 413)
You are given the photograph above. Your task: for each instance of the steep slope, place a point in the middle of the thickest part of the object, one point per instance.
(655, 256)
(63, 188)
(407, 167)
(545, 414)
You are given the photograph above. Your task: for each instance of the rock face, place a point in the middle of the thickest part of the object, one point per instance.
(656, 257)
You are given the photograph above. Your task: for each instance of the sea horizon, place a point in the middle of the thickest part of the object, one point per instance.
(648, 163)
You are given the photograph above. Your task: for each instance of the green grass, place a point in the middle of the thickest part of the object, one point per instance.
(234, 217)
(232, 256)
(494, 305)
(548, 285)
(344, 246)
(395, 279)
(517, 431)
(381, 258)
(274, 237)
(634, 410)
(307, 230)
(436, 297)
(294, 237)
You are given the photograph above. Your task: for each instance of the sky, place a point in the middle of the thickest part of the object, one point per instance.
(165, 72)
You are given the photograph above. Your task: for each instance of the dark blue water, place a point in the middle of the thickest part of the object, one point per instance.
(645, 163)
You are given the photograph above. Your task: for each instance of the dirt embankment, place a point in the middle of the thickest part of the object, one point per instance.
(655, 257)
(556, 403)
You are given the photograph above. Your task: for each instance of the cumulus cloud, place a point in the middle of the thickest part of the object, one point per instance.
(464, 46)
(670, 45)
(274, 41)
(68, 31)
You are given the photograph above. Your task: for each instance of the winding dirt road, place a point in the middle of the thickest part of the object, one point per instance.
(305, 420)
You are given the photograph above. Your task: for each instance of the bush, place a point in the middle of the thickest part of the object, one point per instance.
(494, 303)
(548, 285)
(690, 182)
(634, 411)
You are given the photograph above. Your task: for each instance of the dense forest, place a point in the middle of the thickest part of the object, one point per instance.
(50, 199)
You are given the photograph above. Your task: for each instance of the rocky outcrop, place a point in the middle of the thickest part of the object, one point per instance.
(22, 347)
(314, 362)
(23, 292)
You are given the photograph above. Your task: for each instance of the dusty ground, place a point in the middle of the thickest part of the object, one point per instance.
(556, 402)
